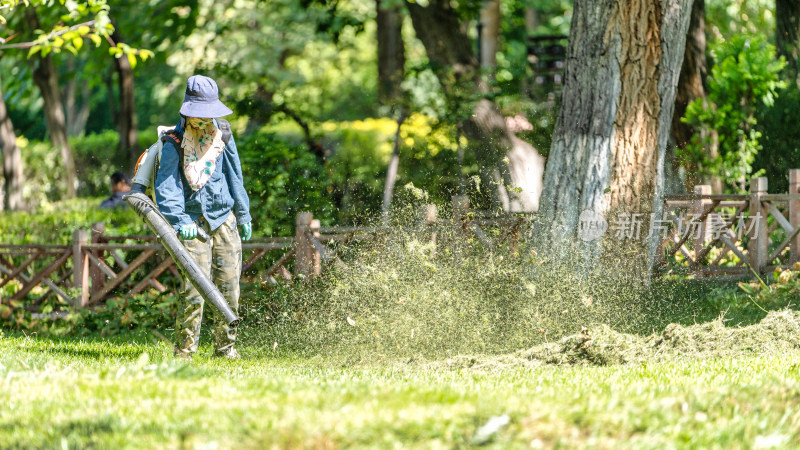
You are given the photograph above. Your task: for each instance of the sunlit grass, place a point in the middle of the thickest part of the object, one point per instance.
(116, 394)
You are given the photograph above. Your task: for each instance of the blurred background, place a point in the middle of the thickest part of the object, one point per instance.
(318, 88)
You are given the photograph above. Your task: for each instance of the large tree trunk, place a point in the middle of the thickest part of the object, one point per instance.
(127, 122)
(391, 53)
(607, 155)
(45, 77)
(490, 33)
(691, 86)
(507, 161)
(12, 161)
(787, 35)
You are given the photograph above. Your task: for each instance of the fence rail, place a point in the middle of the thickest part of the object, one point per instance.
(96, 266)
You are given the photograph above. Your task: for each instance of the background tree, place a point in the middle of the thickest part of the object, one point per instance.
(489, 27)
(127, 120)
(691, 86)
(510, 167)
(46, 78)
(614, 122)
(12, 161)
(391, 51)
(45, 42)
(787, 35)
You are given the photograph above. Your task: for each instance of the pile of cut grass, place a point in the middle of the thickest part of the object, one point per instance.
(778, 333)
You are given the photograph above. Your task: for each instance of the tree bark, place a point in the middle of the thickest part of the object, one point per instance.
(391, 53)
(607, 154)
(127, 121)
(76, 102)
(787, 35)
(391, 172)
(507, 161)
(45, 78)
(490, 33)
(12, 161)
(531, 20)
(691, 86)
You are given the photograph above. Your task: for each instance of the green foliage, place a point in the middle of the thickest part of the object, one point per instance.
(780, 139)
(728, 18)
(121, 315)
(313, 58)
(61, 37)
(54, 222)
(116, 316)
(361, 151)
(281, 179)
(96, 158)
(744, 77)
(778, 291)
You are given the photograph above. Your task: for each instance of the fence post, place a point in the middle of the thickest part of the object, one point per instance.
(757, 247)
(80, 267)
(698, 208)
(97, 275)
(316, 258)
(794, 213)
(427, 219)
(306, 257)
(460, 208)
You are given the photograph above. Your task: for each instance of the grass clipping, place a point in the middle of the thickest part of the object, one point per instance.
(778, 332)
(411, 296)
(407, 297)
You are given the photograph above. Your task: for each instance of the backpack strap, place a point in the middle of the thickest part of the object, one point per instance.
(173, 137)
(225, 127)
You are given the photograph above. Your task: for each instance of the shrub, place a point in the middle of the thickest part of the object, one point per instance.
(53, 223)
(281, 179)
(96, 158)
(743, 79)
(780, 138)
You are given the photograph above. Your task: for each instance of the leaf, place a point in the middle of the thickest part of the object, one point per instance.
(83, 30)
(132, 60)
(96, 39)
(747, 288)
(77, 43)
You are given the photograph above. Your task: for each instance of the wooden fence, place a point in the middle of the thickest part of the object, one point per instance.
(97, 266)
(703, 234)
(731, 235)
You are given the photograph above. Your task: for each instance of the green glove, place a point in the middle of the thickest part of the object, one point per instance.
(188, 231)
(247, 231)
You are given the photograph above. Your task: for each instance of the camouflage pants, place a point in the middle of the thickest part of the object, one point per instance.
(221, 259)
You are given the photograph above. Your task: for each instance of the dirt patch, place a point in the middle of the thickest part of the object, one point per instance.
(600, 345)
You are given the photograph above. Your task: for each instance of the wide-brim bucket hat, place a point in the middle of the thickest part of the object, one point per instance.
(202, 99)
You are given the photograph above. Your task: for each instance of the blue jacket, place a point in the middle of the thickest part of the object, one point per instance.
(115, 201)
(224, 192)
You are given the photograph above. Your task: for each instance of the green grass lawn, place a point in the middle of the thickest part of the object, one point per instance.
(129, 392)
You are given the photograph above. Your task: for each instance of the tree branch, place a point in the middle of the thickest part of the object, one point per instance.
(23, 45)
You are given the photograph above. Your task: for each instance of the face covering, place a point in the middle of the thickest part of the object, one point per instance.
(199, 123)
(202, 144)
